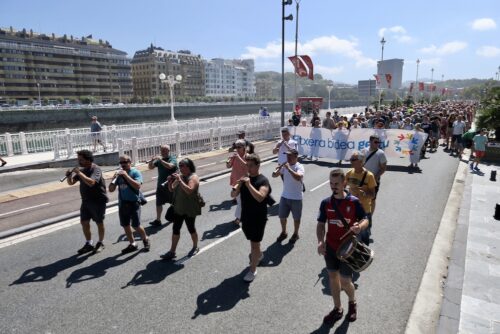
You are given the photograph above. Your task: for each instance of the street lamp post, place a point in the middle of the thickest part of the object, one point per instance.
(39, 99)
(416, 81)
(283, 18)
(382, 42)
(432, 83)
(120, 88)
(329, 87)
(171, 81)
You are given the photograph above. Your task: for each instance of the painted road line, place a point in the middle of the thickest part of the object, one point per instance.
(207, 247)
(321, 185)
(205, 165)
(24, 209)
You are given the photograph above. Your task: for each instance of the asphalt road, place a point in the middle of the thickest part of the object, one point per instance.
(46, 288)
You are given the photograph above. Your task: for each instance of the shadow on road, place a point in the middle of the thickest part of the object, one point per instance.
(323, 277)
(220, 231)
(342, 329)
(150, 230)
(97, 269)
(45, 273)
(275, 253)
(154, 273)
(225, 205)
(223, 297)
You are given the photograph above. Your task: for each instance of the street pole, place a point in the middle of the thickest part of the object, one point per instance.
(382, 42)
(296, 42)
(416, 81)
(120, 88)
(432, 83)
(329, 87)
(171, 82)
(283, 18)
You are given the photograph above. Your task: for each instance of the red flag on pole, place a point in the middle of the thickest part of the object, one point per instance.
(411, 87)
(309, 65)
(377, 79)
(433, 88)
(443, 91)
(300, 68)
(388, 78)
(421, 86)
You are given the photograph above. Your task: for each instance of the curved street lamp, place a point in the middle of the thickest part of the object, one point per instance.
(171, 81)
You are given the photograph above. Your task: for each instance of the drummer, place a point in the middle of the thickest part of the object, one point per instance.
(340, 206)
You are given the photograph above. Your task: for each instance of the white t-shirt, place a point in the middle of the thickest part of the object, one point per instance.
(283, 149)
(373, 165)
(292, 189)
(458, 128)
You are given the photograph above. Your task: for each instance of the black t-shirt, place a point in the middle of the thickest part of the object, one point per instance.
(426, 127)
(250, 208)
(96, 193)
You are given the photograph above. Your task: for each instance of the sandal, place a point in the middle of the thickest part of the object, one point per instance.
(353, 313)
(168, 256)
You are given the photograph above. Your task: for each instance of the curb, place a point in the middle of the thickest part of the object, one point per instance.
(74, 214)
(425, 314)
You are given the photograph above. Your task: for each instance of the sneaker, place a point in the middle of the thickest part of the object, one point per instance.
(353, 313)
(250, 276)
(129, 249)
(155, 223)
(168, 256)
(99, 246)
(471, 166)
(260, 259)
(87, 248)
(147, 244)
(281, 237)
(333, 316)
(294, 238)
(4, 163)
(476, 168)
(193, 251)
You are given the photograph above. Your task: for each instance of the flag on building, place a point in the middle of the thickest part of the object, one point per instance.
(388, 78)
(421, 86)
(377, 79)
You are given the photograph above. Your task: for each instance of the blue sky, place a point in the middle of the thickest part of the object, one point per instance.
(459, 39)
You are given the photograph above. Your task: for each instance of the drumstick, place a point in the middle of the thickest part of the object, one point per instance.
(345, 234)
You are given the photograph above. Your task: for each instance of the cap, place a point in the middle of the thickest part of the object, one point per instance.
(241, 132)
(285, 129)
(292, 151)
(94, 117)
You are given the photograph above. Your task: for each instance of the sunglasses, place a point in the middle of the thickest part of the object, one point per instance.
(352, 160)
(376, 142)
(123, 162)
(240, 146)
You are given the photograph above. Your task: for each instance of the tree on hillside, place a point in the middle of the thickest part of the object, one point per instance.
(489, 114)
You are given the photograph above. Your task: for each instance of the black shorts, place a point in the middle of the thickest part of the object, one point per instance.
(129, 214)
(457, 139)
(163, 196)
(334, 264)
(93, 210)
(253, 229)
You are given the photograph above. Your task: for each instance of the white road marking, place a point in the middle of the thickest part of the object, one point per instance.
(207, 247)
(205, 165)
(24, 209)
(321, 185)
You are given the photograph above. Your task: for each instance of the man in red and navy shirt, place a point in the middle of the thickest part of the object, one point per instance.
(339, 273)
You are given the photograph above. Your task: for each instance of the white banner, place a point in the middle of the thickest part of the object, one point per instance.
(339, 144)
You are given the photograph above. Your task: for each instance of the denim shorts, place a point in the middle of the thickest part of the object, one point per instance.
(287, 205)
(130, 212)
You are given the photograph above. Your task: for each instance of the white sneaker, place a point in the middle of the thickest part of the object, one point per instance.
(250, 276)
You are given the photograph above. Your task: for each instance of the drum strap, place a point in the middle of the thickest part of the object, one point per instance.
(339, 214)
(363, 179)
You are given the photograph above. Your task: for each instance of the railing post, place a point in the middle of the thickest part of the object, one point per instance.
(10, 148)
(119, 142)
(56, 147)
(219, 136)
(114, 138)
(135, 150)
(211, 138)
(178, 143)
(22, 140)
(105, 137)
(69, 144)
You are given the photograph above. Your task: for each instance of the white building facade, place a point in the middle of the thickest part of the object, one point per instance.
(230, 78)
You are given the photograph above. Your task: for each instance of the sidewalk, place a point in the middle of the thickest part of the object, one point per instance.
(471, 301)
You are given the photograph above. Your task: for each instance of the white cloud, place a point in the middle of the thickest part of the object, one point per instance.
(483, 24)
(488, 51)
(445, 49)
(323, 45)
(397, 33)
(326, 70)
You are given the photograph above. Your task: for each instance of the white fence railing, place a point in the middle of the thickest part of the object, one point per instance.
(65, 142)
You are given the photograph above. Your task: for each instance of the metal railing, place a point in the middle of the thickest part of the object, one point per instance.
(64, 143)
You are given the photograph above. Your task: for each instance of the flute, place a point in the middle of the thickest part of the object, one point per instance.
(67, 175)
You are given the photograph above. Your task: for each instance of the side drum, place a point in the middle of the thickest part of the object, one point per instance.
(355, 253)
